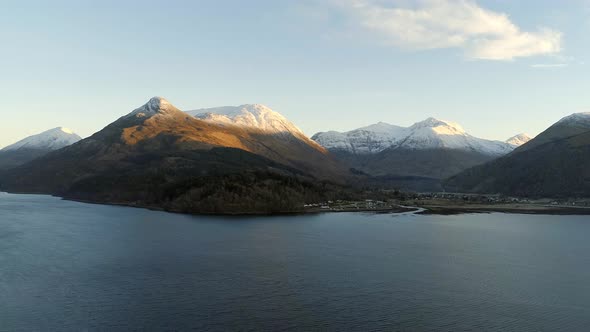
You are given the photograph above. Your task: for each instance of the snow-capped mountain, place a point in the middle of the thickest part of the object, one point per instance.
(52, 139)
(252, 128)
(36, 146)
(253, 117)
(428, 134)
(371, 139)
(118, 163)
(250, 116)
(519, 140)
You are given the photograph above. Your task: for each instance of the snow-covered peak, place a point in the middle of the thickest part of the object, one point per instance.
(518, 140)
(381, 127)
(254, 116)
(428, 134)
(582, 118)
(370, 139)
(52, 139)
(156, 105)
(441, 127)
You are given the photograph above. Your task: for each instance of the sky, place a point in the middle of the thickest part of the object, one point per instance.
(497, 67)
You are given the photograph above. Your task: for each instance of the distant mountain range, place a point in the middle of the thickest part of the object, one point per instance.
(36, 146)
(251, 159)
(416, 157)
(555, 163)
(425, 135)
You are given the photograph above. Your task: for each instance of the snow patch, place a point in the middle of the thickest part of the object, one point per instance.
(249, 116)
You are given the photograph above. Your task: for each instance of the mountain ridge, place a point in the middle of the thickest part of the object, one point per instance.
(430, 133)
(556, 163)
(414, 158)
(253, 116)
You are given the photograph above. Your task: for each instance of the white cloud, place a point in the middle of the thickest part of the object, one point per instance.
(433, 24)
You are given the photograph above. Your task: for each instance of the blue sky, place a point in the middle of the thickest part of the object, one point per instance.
(498, 67)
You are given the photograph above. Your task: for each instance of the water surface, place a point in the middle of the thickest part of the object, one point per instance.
(73, 266)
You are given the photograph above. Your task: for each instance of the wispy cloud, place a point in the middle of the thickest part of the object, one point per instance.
(463, 24)
(549, 65)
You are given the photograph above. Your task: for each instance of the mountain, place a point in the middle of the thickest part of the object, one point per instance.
(556, 163)
(260, 122)
(428, 134)
(415, 157)
(52, 139)
(568, 126)
(35, 146)
(518, 140)
(159, 156)
(371, 139)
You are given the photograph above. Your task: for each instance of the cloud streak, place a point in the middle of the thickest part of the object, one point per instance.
(435, 24)
(549, 65)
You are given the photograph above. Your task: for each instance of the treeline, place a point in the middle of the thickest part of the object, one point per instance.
(255, 192)
(252, 192)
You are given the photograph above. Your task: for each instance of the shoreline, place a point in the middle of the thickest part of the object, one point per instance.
(538, 209)
(390, 210)
(416, 208)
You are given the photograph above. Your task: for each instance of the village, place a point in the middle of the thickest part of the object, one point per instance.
(446, 202)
